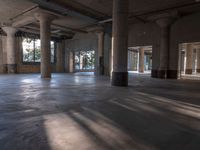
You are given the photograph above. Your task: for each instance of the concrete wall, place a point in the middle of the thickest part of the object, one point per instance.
(89, 42)
(184, 30)
(146, 34)
(80, 42)
(24, 67)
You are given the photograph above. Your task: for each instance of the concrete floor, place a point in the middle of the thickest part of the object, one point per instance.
(83, 112)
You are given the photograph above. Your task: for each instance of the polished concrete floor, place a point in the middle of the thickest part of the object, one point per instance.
(84, 112)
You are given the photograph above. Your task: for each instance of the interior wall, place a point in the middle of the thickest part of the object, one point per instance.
(81, 41)
(21, 67)
(184, 30)
(146, 34)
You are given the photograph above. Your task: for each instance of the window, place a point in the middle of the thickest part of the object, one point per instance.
(32, 50)
(84, 60)
(52, 51)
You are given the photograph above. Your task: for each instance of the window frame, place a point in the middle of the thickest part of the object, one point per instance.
(34, 61)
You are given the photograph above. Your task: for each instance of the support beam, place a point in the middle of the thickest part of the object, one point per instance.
(71, 62)
(189, 56)
(60, 56)
(120, 43)
(45, 37)
(164, 24)
(198, 60)
(100, 54)
(10, 45)
(141, 60)
(24, 21)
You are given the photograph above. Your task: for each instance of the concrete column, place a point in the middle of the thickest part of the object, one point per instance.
(10, 47)
(141, 60)
(45, 37)
(198, 60)
(120, 43)
(189, 56)
(59, 57)
(164, 24)
(100, 54)
(71, 62)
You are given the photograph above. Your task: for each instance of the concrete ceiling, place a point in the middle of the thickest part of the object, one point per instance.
(10, 8)
(78, 15)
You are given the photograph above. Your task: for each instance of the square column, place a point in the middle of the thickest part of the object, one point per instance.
(120, 43)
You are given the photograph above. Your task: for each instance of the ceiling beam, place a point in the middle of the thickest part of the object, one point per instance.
(72, 5)
(184, 5)
(25, 21)
(67, 28)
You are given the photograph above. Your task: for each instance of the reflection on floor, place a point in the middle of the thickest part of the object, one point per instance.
(194, 76)
(81, 112)
(137, 72)
(84, 73)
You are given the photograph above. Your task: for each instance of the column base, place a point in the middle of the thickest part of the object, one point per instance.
(154, 73)
(12, 68)
(106, 71)
(141, 71)
(120, 78)
(100, 71)
(198, 70)
(5, 68)
(188, 71)
(172, 74)
(162, 74)
(46, 76)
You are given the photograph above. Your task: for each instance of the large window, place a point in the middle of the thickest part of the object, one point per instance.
(84, 60)
(32, 50)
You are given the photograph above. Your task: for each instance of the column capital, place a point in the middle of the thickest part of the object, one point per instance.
(100, 34)
(141, 48)
(43, 16)
(197, 46)
(191, 45)
(96, 29)
(10, 30)
(165, 22)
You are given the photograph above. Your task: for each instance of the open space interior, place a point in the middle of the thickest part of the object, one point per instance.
(99, 75)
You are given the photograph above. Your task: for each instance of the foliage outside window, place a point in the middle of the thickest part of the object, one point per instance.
(84, 60)
(32, 50)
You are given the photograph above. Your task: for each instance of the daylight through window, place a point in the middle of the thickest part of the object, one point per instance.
(32, 50)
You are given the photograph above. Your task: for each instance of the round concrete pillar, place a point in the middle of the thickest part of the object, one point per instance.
(45, 38)
(120, 43)
(10, 46)
(164, 24)
(100, 52)
(141, 60)
(198, 60)
(189, 55)
(59, 56)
